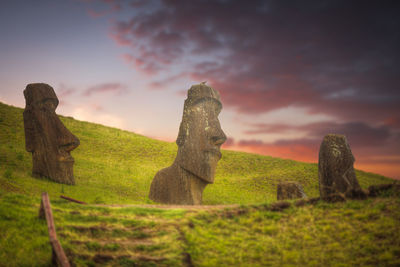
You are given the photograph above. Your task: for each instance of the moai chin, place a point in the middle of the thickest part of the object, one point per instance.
(46, 136)
(335, 167)
(199, 139)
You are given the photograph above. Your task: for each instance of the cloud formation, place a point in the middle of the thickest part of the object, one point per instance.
(332, 57)
(116, 88)
(358, 133)
(335, 58)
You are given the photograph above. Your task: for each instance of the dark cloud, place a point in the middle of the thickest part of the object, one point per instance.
(102, 8)
(393, 122)
(338, 58)
(116, 88)
(358, 133)
(333, 57)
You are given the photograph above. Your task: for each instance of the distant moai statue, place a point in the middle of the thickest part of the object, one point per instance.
(46, 136)
(335, 168)
(290, 190)
(199, 140)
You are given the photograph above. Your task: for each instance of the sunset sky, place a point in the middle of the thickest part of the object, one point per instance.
(289, 72)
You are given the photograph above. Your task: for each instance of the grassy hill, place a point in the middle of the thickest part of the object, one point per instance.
(116, 167)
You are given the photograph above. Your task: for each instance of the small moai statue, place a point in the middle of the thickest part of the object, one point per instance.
(46, 137)
(290, 190)
(199, 139)
(335, 168)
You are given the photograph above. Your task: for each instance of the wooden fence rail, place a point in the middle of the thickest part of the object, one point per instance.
(72, 200)
(59, 258)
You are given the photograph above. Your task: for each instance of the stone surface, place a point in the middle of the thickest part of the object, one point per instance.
(335, 167)
(46, 136)
(290, 190)
(199, 139)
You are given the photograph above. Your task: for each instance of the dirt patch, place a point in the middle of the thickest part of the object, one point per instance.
(89, 229)
(102, 258)
(279, 206)
(74, 212)
(333, 198)
(9, 187)
(231, 213)
(185, 207)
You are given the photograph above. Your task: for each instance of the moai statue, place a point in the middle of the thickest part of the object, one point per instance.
(199, 140)
(46, 136)
(335, 168)
(290, 190)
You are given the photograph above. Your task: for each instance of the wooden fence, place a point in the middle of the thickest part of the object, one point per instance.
(59, 258)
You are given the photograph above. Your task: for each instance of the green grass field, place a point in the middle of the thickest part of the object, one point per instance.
(116, 167)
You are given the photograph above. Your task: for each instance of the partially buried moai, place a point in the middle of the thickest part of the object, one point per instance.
(46, 136)
(335, 168)
(290, 190)
(199, 140)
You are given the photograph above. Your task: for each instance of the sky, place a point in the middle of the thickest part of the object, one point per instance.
(288, 72)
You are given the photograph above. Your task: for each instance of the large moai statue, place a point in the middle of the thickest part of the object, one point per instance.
(46, 136)
(335, 168)
(199, 140)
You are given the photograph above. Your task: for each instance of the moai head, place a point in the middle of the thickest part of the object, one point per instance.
(200, 134)
(46, 136)
(335, 166)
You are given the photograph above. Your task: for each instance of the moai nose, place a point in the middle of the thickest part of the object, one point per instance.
(218, 137)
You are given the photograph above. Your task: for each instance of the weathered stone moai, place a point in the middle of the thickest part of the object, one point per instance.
(335, 168)
(290, 190)
(199, 140)
(46, 136)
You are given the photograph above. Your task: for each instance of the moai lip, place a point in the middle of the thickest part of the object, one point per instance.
(46, 137)
(199, 140)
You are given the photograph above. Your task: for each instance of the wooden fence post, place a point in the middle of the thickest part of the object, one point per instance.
(59, 256)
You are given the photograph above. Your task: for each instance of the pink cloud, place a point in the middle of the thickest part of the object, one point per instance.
(116, 88)
(358, 133)
(230, 142)
(303, 62)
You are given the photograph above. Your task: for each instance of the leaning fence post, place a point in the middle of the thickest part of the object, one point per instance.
(58, 253)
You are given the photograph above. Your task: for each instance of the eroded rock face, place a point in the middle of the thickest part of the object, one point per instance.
(290, 190)
(199, 140)
(46, 136)
(335, 167)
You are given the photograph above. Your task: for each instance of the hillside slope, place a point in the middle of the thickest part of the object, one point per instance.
(116, 166)
(352, 233)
